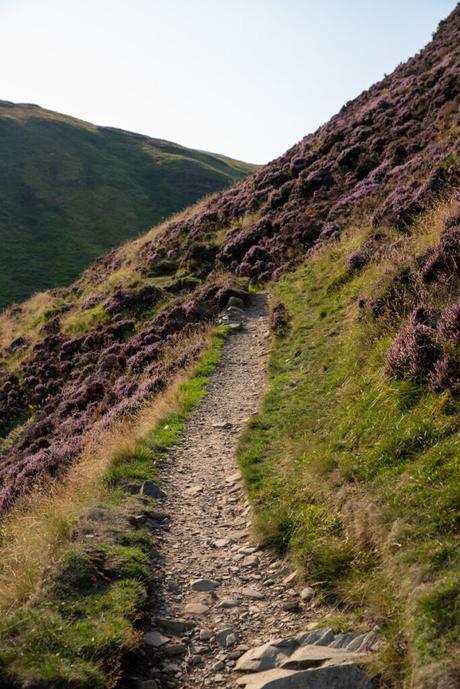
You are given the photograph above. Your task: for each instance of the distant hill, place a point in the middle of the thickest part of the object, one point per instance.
(70, 191)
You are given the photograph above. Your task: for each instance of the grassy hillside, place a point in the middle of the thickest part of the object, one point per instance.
(353, 462)
(355, 473)
(70, 191)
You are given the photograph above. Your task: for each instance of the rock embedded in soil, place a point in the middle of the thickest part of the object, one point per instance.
(155, 639)
(152, 490)
(204, 585)
(174, 626)
(347, 676)
(307, 594)
(196, 609)
(253, 594)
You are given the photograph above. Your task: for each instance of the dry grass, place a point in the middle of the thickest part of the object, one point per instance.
(12, 326)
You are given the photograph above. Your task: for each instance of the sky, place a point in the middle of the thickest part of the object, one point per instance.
(246, 78)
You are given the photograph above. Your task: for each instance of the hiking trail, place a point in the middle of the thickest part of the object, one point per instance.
(220, 594)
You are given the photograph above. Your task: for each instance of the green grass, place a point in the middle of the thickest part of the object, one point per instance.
(357, 478)
(70, 191)
(82, 621)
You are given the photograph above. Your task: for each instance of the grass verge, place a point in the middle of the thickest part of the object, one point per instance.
(76, 561)
(356, 478)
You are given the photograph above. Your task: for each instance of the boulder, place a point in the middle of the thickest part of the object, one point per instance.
(312, 656)
(347, 676)
(265, 657)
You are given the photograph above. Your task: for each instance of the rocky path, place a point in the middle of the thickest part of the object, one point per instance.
(220, 595)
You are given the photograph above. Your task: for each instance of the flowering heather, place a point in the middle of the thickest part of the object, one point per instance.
(358, 259)
(442, 263)
(445, 375)
(413, 352)
(449, 325)
(279, 320)
(381, 150)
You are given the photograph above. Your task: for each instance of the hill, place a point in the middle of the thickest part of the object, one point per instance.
(352, 463)
(70, 191)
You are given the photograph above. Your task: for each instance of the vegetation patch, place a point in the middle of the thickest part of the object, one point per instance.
(354, 475)
(83, 614)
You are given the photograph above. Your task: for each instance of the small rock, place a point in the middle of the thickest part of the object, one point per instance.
(250, 561)
(218, 666)
(206, 634)
(204, 585)
(234, 655)
(171, 667)
(290, 605)
(228, 603)
(234, 477)
(307, 594)
(231, 640)
(252, 593)
(172, 585)
(152, 490)
(249, 550)
(173, 650)
(222, 634)
(222, 425)
(222, 542)
(155, 639)
(196, 609)
(194, 490)
(289, 579)
(174, 626)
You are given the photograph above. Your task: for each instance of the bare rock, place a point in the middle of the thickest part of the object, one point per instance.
(204, 585)
(174, 626)
(155, 639)
(152, 490)
(196, 609)
(264, 657)
(348, 676)
(307, 594)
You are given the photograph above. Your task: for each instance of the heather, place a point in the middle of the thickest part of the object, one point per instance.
(83, 555)
(70, 191)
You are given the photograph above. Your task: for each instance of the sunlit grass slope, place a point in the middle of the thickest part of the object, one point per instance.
(357, 477)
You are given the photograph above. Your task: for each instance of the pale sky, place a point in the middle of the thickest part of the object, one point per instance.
(247, 78)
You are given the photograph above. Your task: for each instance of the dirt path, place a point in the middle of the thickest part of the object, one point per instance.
(208, 536)
(219, 595)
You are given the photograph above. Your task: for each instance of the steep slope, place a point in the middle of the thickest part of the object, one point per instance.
(355, 230)
(70, 191)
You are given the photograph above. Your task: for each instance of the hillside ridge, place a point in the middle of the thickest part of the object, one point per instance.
(354, 232)
(71, 190)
